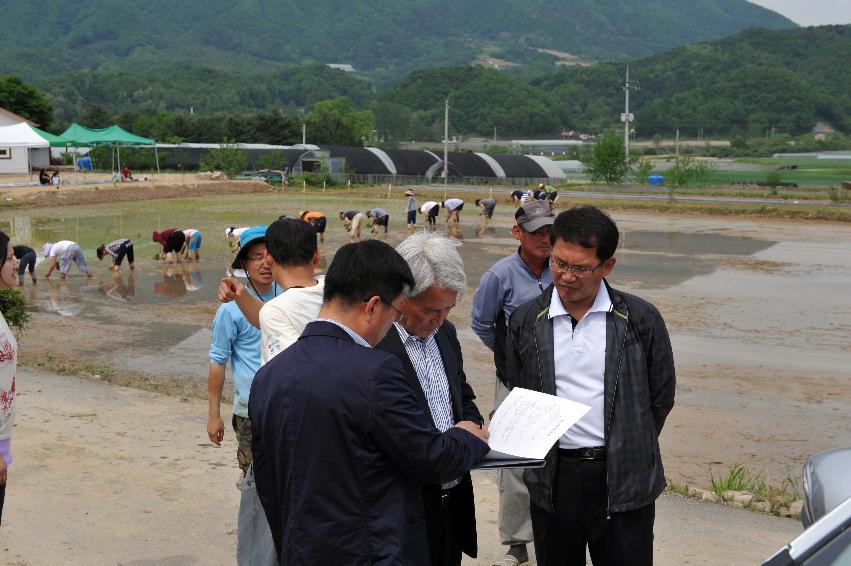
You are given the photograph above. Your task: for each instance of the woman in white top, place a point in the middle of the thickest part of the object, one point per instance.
(8, 366)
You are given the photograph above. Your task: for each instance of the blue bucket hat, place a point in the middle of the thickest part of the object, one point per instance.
(251, 236)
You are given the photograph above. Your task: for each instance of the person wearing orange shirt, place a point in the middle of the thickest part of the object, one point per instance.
(317, 220)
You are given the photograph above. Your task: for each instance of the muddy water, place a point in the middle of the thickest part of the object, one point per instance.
(759, 313)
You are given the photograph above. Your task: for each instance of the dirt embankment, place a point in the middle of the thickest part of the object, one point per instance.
(36, 197)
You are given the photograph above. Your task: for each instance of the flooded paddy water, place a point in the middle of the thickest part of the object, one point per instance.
(759, 311)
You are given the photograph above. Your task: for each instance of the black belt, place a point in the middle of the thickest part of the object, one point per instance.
(590, 453)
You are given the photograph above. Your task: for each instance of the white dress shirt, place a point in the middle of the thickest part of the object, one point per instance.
(579, 356)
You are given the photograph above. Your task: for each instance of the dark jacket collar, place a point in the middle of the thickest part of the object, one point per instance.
(324, 328)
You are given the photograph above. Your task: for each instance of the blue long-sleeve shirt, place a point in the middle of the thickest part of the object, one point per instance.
(235, 339)
(505, 286)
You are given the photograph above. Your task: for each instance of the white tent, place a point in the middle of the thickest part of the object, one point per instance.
(16, 144)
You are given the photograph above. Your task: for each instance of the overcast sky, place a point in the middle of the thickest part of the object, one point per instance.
(811, 12)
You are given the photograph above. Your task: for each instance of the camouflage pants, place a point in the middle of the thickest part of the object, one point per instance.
(242, 428)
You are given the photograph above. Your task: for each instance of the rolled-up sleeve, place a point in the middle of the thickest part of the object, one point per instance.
(487, 301)
(224, 334)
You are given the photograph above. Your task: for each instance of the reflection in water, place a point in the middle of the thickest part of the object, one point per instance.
(485, 231)
(117, 289)
(61, 300)
(454, 231)
(177, 279)
(192, 278)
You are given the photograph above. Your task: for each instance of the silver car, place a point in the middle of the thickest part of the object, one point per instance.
(826, 514)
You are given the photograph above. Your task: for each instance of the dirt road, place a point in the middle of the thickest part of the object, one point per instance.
(110, 475)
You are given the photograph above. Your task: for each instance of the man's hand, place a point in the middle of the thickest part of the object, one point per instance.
(479, 432)
(230, 289)
(216, 430)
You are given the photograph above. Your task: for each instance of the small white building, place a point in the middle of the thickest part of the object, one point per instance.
(21, 148)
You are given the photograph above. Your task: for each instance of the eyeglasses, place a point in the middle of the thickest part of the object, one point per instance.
(399, 314)
(578, 271)
(255, 258)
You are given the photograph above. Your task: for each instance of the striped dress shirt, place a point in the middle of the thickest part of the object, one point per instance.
(428, 364)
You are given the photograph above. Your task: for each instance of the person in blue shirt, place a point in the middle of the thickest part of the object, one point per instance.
(509, 283)
(236, 341)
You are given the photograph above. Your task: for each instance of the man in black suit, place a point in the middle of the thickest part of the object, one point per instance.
(428, 347)
(341, 444)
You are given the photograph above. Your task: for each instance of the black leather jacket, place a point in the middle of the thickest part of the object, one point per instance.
(638, 394)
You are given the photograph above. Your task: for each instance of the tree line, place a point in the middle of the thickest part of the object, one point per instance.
(744, 86)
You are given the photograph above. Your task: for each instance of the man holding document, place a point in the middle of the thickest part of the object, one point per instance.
(340, 439)
(583, 341)
(427, 345)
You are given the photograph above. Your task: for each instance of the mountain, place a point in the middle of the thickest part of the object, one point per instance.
(753, 81)
(749, 82)
(384, 39)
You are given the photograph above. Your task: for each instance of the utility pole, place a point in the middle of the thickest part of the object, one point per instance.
(446, 148)
(626, 117)
(303, 133)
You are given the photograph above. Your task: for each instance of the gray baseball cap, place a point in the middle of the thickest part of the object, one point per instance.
(534, 215)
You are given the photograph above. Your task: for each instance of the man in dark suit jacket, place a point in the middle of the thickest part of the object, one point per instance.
(341, 444)
(428, 347)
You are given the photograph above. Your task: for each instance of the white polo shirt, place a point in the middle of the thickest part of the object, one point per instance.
(580, 364)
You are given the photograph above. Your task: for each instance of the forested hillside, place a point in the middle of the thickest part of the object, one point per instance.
(385, 39)
(755, 80)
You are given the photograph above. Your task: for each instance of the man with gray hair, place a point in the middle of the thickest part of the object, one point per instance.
(428, 347)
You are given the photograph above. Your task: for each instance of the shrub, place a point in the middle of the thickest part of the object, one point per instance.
(227, 158)
(13, 305)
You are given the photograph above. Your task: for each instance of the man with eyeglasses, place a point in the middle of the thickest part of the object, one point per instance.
(291, 254)
(585, 341)
(509, 283)
(235, 340)
(427, 345)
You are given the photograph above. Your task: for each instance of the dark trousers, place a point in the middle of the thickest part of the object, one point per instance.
(412, 216)
(2, 499)
(27, 261)
(124, 250)
(442, 513)
(580, 519)
(432, 214)
(174, 242)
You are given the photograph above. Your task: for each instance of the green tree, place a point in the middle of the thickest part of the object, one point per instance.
(96, 117)
(228, 159)
(641, 169)
(607, 161)
(274, 127)
(25, 100)
(335, 122)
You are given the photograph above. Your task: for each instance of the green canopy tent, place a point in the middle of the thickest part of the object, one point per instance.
(55, 141)
(114, 136)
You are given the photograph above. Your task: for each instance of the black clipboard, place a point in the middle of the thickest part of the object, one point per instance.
(506, 463)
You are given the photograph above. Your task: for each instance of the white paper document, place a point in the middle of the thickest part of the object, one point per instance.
(528, 423)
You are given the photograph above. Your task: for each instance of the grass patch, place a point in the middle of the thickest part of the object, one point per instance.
(738, 478)
(676, 487)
